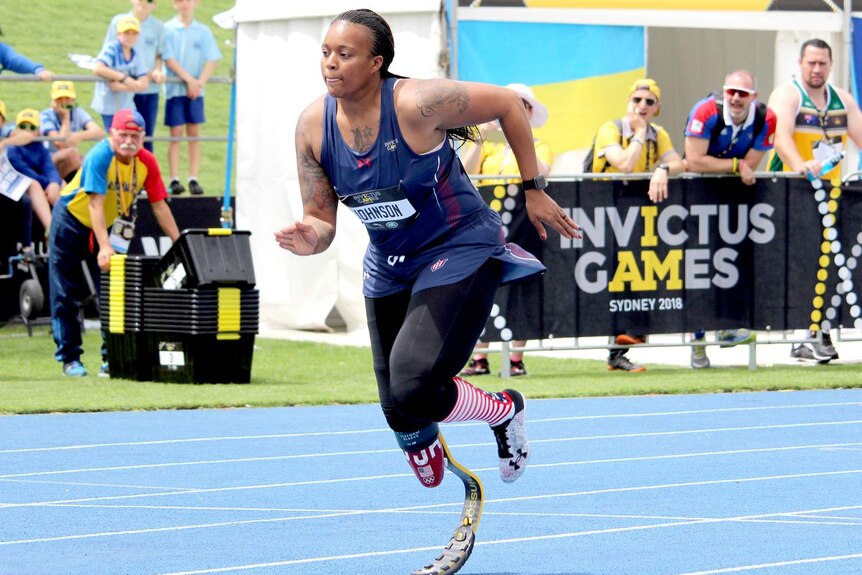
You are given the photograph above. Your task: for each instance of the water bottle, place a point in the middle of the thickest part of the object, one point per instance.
(825, 167)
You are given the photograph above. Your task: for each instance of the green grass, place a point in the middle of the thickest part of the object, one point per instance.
(47, 31)
(284, 372)
(302, 373)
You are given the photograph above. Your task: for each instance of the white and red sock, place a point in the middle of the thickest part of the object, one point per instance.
(474, 404)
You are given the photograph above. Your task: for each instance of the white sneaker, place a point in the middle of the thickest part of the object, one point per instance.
(512, 446)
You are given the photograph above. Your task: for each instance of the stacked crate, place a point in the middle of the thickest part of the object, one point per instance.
(199, 311)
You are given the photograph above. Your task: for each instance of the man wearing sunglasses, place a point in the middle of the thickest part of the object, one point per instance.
(728, 133)
(95, 219)
(814, 120)
(633, 144)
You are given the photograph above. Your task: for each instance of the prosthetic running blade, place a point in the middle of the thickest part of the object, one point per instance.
(460, 545)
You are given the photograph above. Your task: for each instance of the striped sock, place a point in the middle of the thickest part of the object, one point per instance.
(474, 404)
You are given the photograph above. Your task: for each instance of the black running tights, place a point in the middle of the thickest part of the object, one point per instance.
(420, 342)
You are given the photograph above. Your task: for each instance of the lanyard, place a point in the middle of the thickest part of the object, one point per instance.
(124, 209)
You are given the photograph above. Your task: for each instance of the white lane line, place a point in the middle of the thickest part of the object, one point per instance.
(446, 505)
(478, 543)
(362, 478)
(456, 446)
(92, 484)
(776, 564)
(387, 430)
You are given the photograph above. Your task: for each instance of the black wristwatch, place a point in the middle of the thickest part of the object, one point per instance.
(537, 183)
(664, 167)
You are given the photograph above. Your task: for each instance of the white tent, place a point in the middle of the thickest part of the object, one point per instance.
(278, 64)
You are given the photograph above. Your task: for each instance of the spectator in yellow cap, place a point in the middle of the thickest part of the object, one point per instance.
(22, 210)
(65, 119)
(34, 161)
(152, 48)
(634, 144)
(9, 136)
(124, 71)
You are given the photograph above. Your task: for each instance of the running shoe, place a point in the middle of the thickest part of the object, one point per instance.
(516, 368)
(823, 350)
(801, 352)
(176, 188)
(624, 339)
(622, 363)
(74, 369)
(512, 446)
(195, 188)
(699, 359)
(732, 337)
(477, 367)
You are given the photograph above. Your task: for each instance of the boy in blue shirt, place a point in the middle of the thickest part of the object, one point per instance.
(65, 119)
(125, 71)
(194, 53)
(152, 50)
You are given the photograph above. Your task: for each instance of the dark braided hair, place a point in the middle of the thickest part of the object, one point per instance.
(384, 45)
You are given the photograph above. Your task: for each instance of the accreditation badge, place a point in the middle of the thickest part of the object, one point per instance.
(122, 232)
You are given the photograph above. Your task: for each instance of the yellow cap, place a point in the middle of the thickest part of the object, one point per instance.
(63, 89)
(127, 23)
(646, 84)
(3, 109)
(28, 116)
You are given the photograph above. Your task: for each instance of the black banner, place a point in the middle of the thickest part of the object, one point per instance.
(717, 254)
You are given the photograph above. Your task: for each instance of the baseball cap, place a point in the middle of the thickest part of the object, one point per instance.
(27, 116)
(127, 119)
(646, 84)
(3, 109)
(540, 112)
(63, 89)
(127, 23)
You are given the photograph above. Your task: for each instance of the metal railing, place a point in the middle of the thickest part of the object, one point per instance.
(765, 337)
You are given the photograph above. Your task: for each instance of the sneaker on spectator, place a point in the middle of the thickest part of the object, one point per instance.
(74, 369)
(105, 370)
(477, 367)
(176, 188)
(823, 350)
(622, 363)
(512, 446)
(732, 337)
(699, 359)
(195, 188)
(517, 368)
(802, 352)
(624, 339)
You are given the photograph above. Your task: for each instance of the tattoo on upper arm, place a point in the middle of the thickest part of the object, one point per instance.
(315, 185)
(432, 96)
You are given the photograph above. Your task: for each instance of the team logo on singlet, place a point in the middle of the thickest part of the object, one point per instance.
(391, 145)
(438, 264)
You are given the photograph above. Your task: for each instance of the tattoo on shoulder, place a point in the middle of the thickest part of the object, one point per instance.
(432, 96)
(315, 185)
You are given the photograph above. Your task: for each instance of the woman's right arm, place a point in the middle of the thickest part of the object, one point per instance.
(314, 234)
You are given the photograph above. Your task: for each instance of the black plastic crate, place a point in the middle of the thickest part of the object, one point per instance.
(127, 356)
(184, 358)
(203, 258)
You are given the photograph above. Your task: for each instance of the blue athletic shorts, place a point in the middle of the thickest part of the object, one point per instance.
(182, 110)
(454, 257)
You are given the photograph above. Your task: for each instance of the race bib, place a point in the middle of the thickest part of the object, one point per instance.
(386, 209)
